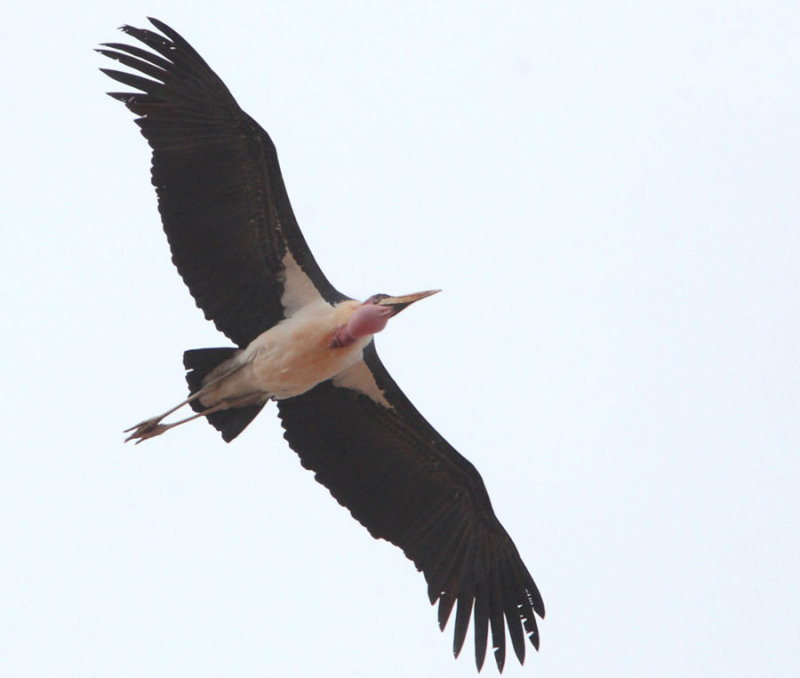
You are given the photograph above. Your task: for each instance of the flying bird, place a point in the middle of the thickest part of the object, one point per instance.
(308, 347)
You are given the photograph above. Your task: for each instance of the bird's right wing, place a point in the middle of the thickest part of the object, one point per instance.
(400, 479)
(223, 204)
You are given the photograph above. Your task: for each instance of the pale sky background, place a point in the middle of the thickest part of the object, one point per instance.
(608, 195)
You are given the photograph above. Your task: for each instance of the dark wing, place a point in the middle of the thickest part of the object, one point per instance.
(220, 192)
(400, 479)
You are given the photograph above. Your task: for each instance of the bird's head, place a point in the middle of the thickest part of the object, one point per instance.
(371, 317)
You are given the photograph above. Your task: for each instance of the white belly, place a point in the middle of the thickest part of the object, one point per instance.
(292, 357)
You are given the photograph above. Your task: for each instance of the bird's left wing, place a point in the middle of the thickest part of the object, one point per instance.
(223, 204)
(400, 479)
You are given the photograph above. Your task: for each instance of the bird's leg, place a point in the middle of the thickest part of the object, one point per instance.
(152, 427)
(153, 422)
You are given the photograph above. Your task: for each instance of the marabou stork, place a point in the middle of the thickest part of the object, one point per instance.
(300, 342)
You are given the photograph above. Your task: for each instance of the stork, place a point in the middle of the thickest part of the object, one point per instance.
(301, 343)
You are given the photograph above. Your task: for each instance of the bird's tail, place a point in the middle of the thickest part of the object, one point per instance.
(200, 362)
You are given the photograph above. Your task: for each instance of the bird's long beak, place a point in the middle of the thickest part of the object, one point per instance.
(399, 303)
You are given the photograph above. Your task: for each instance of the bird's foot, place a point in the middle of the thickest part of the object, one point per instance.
(146, 429)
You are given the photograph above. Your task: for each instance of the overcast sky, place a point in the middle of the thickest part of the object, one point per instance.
(608, 195)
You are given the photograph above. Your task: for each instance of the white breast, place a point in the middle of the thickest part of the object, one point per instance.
(293, 357)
